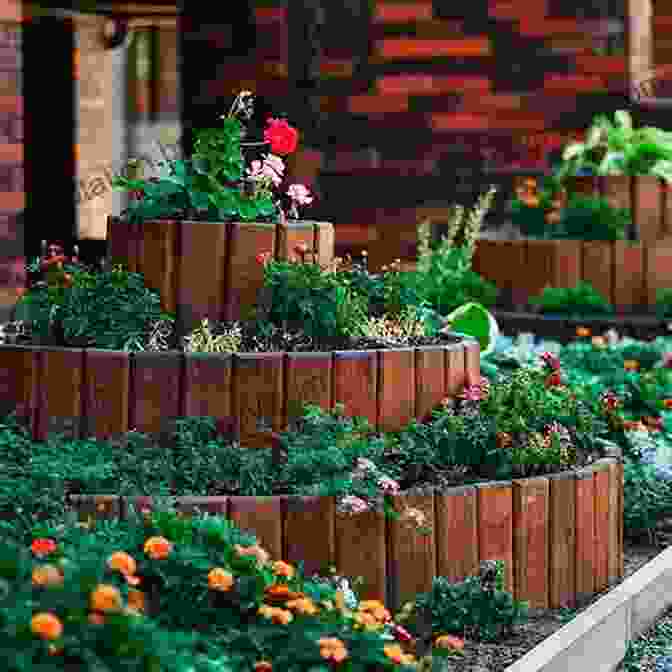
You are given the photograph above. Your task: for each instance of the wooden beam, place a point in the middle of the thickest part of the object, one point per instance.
(640, 41)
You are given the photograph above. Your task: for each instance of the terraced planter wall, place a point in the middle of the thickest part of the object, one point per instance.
(627, 274)
(209, 269)
(104, 392)
(560, 536)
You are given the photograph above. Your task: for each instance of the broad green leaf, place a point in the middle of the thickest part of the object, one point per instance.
(623, 119)
(572, 150)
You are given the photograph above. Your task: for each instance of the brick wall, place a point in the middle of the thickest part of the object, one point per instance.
(11, 157)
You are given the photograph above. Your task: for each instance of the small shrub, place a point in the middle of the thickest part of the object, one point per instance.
(580, 300)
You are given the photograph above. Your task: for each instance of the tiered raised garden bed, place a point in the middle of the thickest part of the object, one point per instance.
(102, 393)
(209, 269)
(560, 535)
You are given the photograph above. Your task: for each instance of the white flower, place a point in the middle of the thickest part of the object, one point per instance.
(352, 504)
(300, 194)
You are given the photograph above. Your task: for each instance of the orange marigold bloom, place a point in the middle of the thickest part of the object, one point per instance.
(47, 575)
(280, 592)
(158, 548)
(280, 616)
(630, 364)
(106, 598)
(41, 547)
(283, 569)
(122, 562)
(449, 642)
(332, 648)
(46, 625)
(136, 599)
(367, 620)
(255, 551)
(220, 579)
(303, 605)
(96, 618)
(263, 666)
(667, 403)
(376, 609)
(599, 342)
(396, 654)
(582, 332)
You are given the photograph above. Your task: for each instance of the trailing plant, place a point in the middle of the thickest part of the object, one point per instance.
(583, 299)
(587, 217)
(619, 149)
(201, 339)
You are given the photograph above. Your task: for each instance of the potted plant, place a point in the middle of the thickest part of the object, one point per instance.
(217, 210)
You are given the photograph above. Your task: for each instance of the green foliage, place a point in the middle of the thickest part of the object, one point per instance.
(664, 303)
(467, 608)
(591, 218)
(646, 498)
(575, 301)
(619, 149)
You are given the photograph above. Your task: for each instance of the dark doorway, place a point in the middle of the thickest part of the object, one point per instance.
(49, 132)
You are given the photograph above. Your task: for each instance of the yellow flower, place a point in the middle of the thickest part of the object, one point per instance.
(396, 654)
(332, 648)
(47, 575)
(105, 598)
(122, 562)
(630, 364)
(281, 568)
(220, 579)
(46, 626)
(303, 606)
(582, 332)
(158, 548)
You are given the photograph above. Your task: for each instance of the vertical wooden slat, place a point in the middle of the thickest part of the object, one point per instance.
(19, 370)
(530, 541)
(629, 281)
(495, 526)
(457, 533)
(207, 388)
(585, 535)
(430, 380)
(562, 509)
(615, 189)
(324, 242)
(456, 369)
(308, 381)
(214, 506)
(412, 555)
(158, 257)
(155, 390)
(244, 274)
(263, 517)
(309, 532)
(356, 383)
(123, 243)
(538, 269)
(667, 210)
(648, 208)
(614, 560)
(396, 390)
(292, 234)
(601, 478)
(60, 392)
(566, 263)
(106, 393)
(658, 269)
(598, 266)
(258, 391)
(361, 551)
(472, 361)
(621, 555)
(201, 294)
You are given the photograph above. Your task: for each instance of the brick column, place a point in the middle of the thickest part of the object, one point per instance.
(12, 277)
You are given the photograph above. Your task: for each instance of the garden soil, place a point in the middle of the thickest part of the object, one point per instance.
(497, 656)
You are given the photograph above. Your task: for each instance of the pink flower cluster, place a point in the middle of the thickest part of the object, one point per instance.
(272, 169)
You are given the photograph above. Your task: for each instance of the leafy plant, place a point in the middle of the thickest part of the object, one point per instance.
(592, 218)
(536, 208)
(646, 498)
(664, 303)
(619, 149)
(582, 299)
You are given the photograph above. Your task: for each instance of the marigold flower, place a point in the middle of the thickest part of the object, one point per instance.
(220, 579)
(158, 548)
(375, 608)
(255, 551)
(263, 666)
(106, 598)
(367, 620)
(582, 332)
(303, 605)
(122, 562)
(41, 547)
(136, 600)
(276, 615)
(281, 568)
(630, 364)
(667, 403)
(396, 654)
(47, 575)
(449, 642)
(46, 626)
(96, 618)
(332, 648)
(599, 342)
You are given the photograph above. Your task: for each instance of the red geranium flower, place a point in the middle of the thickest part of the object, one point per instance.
(283, 138)
(42, 547)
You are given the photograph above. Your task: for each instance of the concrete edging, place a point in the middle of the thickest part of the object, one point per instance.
(597, 639)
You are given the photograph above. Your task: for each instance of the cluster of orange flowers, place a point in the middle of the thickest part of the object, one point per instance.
(528, 193)
(280, 602)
